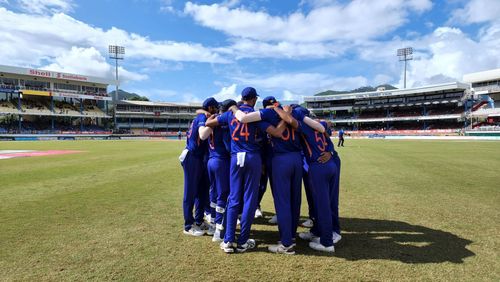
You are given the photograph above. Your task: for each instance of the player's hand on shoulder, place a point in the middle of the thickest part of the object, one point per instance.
(233, 108)
(324, 157)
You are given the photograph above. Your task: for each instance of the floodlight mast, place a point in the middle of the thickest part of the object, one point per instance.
(405, 54)
(116, 53)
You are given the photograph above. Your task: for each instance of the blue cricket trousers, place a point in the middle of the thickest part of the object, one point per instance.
(323, 179)
(335, 196)
(286, 179)
(195, 189)
(307, 188)
(243, 195)
(265, 175)
(218, 172)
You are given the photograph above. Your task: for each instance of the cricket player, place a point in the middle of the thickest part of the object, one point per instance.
(192, 161)
(336, 237)
(286, 173)
(245, 169)
(341, 138)
(323, 176)
(218, 169)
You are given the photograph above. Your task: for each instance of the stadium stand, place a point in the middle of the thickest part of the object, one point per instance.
(423, 108)
(38, 101)
(144, 117)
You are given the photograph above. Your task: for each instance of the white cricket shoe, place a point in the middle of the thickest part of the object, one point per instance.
(308, 223)
(258, 213)
(194, 231)
(273, 220)
(280, 249)
(211, 229)
(217, 237)
(336, 237)
(306, 235)
(238, 222)
(204, 226)
(321, 248)
(207, 217)
(227, 247)
(250, 244)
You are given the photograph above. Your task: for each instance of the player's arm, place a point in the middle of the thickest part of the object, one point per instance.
(212, 121)
(204, 132)
(314, 124)
(278, 130)
(203, 112)
(287, 117)
(245, 117)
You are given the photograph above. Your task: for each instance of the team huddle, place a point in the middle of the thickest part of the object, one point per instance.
(231, 153)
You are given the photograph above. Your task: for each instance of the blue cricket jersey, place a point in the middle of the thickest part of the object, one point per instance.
(218, 143)
(314, 142)
(245, 137)
(289, 142)
(341, 133)
(194, 144)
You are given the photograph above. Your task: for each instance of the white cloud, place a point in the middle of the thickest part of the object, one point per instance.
(477, 11)
(332, 22)
(94, 64)
(301, 83)
(46, 6)
(247, 48)
(382, 79)
(227, 92)
(452, 53)
(290, 96)
(30, 40)
(444, 55)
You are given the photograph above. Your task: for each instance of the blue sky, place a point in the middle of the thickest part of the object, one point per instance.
(184, 51)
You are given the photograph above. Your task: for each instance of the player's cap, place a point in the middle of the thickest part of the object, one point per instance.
(210, 102)
(226, 104)
(268, 101)
(249, 93)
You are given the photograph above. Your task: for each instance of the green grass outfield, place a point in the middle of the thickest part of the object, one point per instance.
(424, 210)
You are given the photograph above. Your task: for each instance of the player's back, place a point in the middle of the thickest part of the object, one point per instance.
(244, 136)
(194, 144)
(217, 142)
(290, 140)
(315, 143)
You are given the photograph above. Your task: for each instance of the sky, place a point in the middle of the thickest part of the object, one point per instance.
(185, 51)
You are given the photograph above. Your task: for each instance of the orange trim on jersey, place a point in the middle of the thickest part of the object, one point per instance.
(307, 145)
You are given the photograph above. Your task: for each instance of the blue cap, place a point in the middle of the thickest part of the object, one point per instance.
(268, 101)
(249, 93)
(210, 102)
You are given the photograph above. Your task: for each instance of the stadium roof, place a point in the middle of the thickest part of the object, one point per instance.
(482, 76)
(149, 103)
(54, 75)
(389, 93)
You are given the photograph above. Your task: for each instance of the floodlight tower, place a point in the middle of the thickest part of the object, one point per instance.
(116, 53)
(405, 54)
